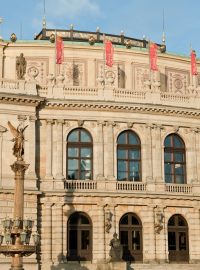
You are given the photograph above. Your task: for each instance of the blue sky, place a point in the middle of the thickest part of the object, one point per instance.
(135, 18)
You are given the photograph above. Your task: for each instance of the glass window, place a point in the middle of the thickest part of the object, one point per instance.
(79, 155)
(174, 159)
(128, 157)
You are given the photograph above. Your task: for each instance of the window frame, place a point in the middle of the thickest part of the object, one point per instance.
(128, 147)
(79, 145)
(173, 150)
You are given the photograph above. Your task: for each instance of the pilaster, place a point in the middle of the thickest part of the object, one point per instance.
(49, 149)
(100, 150)
(109, 151)
(59, 175)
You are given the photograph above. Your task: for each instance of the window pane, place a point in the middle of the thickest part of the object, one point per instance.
(85, 164)
(134, 171)
(181, 222)
(134, 154)
(134, 176)
(124, 238)
(172, 240)
(72, 152)
(122, 153)
(168, 168)
(85, 240)
(182, 241)
(178, 142)
(134, 221)
(122, 176)
(168, 142)
(72, 164)
(179, 169)
(85, 175)
(121, 139)
(84, 220)
(73, 137)
(179, 179)
(171, 221)
(179, 157)
(72, 175)
(135, 240)
(168, 178)
(85, 152)
(168, 156)
(122, 165)
(85, 136)
(124, 220)
(133, 139)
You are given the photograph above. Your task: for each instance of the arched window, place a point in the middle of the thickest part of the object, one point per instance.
(130, 234)
(178, 239)
(79, 155)
(174, 158)
(79, 246)
(128, 157)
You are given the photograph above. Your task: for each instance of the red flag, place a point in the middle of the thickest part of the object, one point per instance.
(193, 63)
(109, 53)
(153, 56)
(59, 50)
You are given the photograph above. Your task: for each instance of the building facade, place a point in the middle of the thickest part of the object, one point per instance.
(110, 150)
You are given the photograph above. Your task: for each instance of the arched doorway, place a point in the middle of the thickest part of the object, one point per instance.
(79, 237)
(130, 233)
(178, 239)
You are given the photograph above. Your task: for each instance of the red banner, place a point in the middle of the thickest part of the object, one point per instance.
(59, 50)
(193, 63)
(153, 56)
(109, 50)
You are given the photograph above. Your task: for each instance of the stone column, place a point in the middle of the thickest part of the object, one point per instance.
(157, 149)
(101, 234)
(59, 175)
(2, 130)
(47, 234)
(32, 147)
(109, 151)
(148, 166)
(100, 150)
(192, 151)
(57, 236)
(149, 235)
(49, 146)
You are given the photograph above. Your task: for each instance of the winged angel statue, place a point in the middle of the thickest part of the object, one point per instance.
(18, 133)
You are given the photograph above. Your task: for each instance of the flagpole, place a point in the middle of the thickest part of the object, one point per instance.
(149, 63)
(55, 54)
(104, 58)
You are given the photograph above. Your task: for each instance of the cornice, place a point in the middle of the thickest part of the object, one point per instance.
(27, 100)
(118, 107)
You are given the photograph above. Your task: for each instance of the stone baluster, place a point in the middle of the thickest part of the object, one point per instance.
(59, 175)
(49, 143)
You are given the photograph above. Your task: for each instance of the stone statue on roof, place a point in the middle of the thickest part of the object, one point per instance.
(21, 66)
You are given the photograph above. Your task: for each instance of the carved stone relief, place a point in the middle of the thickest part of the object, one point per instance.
(37, 69)
(141, 75)
(74, 72)
(113, 76)
(177, 81)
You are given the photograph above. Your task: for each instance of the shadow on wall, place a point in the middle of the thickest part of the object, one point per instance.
(67, 266)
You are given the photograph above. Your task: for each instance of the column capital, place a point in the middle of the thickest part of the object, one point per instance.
(49, 121)
(21, 118)
(101, 123)
(32, 118)
(110, 123)
(60, 121)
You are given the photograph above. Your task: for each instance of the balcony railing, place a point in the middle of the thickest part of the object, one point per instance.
(176, 188)
(130, 186)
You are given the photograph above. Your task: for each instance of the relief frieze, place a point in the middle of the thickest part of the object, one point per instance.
(177, 81)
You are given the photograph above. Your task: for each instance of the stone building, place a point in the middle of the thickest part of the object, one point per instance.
(110, 150)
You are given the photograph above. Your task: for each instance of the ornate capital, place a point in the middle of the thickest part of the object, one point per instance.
(32, 118)
(19, 166)
(60, 121)
(49, 121)
(22, 118)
